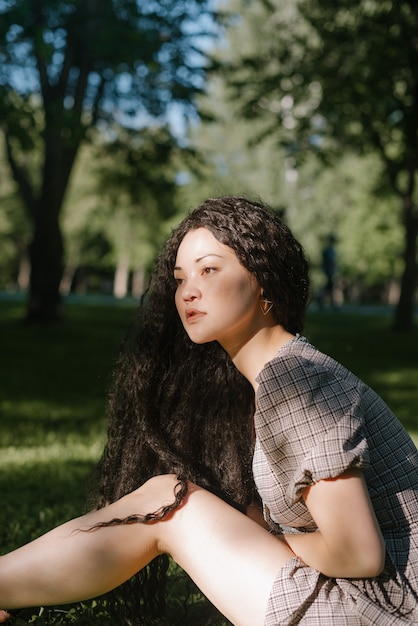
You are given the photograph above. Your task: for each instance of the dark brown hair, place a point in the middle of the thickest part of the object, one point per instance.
(180, 407)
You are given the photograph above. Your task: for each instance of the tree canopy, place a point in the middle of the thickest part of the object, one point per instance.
(68, 67)
(327, 75)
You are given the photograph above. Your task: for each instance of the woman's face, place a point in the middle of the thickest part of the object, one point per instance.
(217, 298)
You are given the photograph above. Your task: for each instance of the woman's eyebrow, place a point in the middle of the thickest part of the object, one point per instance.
(200, 258)
(220, 256)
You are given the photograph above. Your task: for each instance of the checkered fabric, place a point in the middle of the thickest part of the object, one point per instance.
(314, 420)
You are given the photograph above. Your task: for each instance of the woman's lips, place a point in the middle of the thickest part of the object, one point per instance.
(192, 314)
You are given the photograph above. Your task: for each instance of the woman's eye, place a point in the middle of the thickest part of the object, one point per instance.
(209, 270)
(178, 281)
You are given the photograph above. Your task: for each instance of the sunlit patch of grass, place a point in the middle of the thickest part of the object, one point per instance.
(36, 421)
(385, 360)
(399, 387)
(414, 437)
(51, 453)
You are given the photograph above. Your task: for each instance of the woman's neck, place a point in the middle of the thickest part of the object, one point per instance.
(250, 357)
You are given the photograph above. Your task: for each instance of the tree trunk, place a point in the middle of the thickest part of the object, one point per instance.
(23, 277)
(404, 315)
(47, 250)
(46, 254)
(120, 283)
(138, 280)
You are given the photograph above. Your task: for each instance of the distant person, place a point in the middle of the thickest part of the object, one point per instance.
(281, 483)
(329, 268)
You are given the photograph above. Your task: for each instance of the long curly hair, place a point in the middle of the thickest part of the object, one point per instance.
(184, 408)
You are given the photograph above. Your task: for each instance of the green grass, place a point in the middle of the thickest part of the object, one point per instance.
(52, 409)
(385, 360)
(53, 400)
(53, 386)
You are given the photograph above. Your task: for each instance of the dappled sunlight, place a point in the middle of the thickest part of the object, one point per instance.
(42, 409)
(34, 422)
(414, 437)
(381, 358)
(394, 377)
(51, 453)
(399, 389)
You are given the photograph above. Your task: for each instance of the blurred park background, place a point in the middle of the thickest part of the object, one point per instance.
(116, 118)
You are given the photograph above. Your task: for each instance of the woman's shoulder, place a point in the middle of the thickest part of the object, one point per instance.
(300, 372)
(300, 358)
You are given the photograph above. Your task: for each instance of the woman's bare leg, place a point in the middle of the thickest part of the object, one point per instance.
(231, 558)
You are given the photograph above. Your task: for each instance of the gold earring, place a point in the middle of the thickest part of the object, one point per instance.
(266, 306)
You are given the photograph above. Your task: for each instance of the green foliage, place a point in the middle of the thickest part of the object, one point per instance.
(122, 200)
(98, 58)
(367, 66)
(335, 79)
(69, 67)
(136, 188)
(324, 75)
(342, 199)
(345, 197)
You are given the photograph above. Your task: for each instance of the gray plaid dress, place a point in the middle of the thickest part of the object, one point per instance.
(314, 420)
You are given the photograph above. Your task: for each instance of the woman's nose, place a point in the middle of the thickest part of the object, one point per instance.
(191, 292)
(189, 296)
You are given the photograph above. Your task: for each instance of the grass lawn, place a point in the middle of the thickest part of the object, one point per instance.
(53, 401)
(385, 360)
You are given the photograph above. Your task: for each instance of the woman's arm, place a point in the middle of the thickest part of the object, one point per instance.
(348, 543)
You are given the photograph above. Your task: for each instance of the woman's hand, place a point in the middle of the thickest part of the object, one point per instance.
(348, 543)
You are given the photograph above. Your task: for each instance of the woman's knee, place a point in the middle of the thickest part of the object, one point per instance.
(160, 482)
(159, 497)
(163, 486)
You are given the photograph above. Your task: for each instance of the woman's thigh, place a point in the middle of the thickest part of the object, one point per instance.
(231, 558)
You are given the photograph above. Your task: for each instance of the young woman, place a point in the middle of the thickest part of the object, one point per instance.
(220, 407)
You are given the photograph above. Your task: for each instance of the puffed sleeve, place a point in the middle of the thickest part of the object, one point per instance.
(309, 423)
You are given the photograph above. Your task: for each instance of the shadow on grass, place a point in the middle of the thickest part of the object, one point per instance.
(39, 423)
(37, 496)
(55, 378)
(383, 359)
